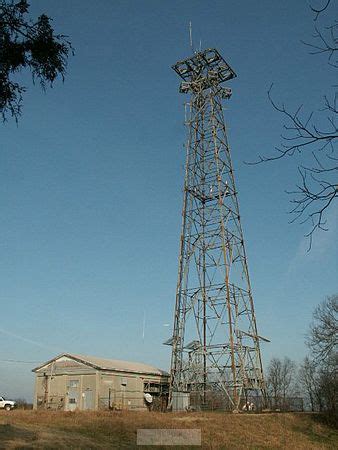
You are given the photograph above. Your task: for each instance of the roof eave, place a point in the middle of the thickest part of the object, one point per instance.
(48, 362)
(95, 366)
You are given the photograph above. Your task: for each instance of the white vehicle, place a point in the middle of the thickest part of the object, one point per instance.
(6, 404)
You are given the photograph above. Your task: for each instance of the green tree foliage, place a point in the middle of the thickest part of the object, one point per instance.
(27, 44)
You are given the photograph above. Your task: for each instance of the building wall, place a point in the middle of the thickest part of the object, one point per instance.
(65, 391)
(121, 390)
(69, 385)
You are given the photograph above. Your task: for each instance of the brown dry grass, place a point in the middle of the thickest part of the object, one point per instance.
(110, 430)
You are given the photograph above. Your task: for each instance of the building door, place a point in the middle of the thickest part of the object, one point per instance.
(88, 399)
(73, 400)
(73, 395)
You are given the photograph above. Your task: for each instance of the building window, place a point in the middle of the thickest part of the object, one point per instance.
(72, 400)
(73, 383)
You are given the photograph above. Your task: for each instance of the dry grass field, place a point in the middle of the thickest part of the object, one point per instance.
(105, 430)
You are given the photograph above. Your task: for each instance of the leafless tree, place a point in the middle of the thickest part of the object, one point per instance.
(328, 385)
(325, 38)
(318, 374)
(288, 377)
(322, 338)
(280, 380)
(319, 383)
(274, 373)
(313, 136)
(22, 403)
(309, 380)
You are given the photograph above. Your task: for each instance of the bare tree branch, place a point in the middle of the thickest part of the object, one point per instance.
(323, 335)
(280, 381)
(318, 11)
(308, 135)
(312, 139)
(326, 44)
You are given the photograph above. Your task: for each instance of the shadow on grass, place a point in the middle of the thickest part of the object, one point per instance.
(11, 435)
(329, 419)
(319, 428)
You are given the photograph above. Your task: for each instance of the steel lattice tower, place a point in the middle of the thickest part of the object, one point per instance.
(215, 344)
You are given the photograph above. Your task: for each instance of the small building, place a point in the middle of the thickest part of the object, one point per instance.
(75, 382)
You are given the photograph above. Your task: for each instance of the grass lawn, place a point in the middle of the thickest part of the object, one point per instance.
(105, 430)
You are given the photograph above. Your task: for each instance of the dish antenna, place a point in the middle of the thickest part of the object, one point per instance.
(148, 398)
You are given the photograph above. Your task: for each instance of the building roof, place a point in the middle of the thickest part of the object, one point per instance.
(108, 364)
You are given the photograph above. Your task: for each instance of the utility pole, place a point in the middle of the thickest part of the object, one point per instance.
(215, 344)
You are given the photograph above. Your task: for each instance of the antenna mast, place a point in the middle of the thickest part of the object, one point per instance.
(190, 37)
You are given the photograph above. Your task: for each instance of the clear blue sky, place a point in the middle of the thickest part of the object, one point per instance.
(91, 182)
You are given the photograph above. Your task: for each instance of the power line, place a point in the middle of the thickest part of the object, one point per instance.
(19, 361)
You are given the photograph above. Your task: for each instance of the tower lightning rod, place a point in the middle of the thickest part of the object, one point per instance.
(190, 36)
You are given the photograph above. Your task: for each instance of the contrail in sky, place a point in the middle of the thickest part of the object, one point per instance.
(144, 325)
(29, 341)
